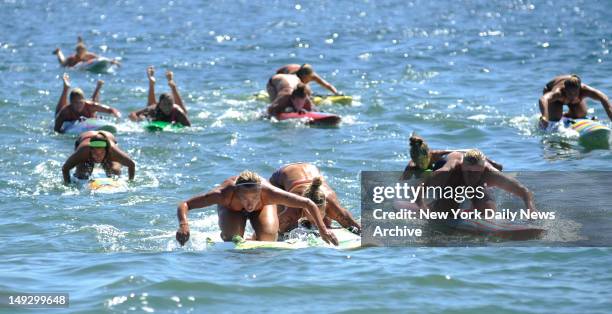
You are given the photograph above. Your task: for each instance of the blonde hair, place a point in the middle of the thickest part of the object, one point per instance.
(76, 92)
(248, 177)
(474, 157)
(313, 192)
(305, 70)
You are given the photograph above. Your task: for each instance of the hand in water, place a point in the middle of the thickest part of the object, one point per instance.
(329, 237)
(151, 74)
(182, 234)
(66, 80)
(56, 51)
(543, 122)
(99, 84)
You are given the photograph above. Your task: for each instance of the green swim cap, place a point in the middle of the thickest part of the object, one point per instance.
(97, 144)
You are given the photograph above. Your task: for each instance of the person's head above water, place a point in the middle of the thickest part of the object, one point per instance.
(473, 166)
(572, 87)
(165, 103)
(419, 152)
(76, 96)
(314, 193)
(80, 49)
(98, 148)
(249, 190)
(305, 72)
(299, 95)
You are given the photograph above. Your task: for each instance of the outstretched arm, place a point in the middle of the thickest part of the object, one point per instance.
(325, 84)
(63, 101)
(204, 200)
(278, 196)
(340, 214)
(601, 97)
(511, 185)
(175, 94)
(138, 115)
(106, 109)
(96, 94)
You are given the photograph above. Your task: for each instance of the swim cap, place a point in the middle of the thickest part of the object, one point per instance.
(97, 144)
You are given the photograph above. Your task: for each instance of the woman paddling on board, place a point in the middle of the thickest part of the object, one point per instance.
(425, 159)
(291, 100)
(169, 108)
(471, 169)
(97, 147)
(306, 74)
(248, 197)
(79, 108)
(305, 179)
(81, 55)
(568, 90)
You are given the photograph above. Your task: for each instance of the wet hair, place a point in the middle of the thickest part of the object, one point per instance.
(305, 70)
(301, 91)
(248, 177)
(419, 151)
(165, 97)
(76, 92)
(474, 157)
(573, 82)
(313, 192)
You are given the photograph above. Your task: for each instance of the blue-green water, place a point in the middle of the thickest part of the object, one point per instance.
(461, 74)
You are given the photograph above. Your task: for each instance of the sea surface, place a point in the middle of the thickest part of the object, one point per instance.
(459, 73)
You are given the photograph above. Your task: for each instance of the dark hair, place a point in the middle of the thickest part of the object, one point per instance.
(573, 82)
(301, 90)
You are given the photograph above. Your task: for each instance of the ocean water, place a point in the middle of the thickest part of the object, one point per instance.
(460, 73)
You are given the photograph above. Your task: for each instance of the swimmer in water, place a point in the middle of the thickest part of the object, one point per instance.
(306, 74)
(169, 108)
(81, 55)
(79, 107)
(249, 197)
(568, 90)
(305, 179)
(423, 158)
(97, 147)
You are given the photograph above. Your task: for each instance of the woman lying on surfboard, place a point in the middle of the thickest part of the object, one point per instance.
(568, 90)
(97, 147)
(307, 74)
(248, 197)
(81, 55)
(471, 168)
(79, 107)
(423, 158)
(292, 100)
(169, 108)
(306, 180)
